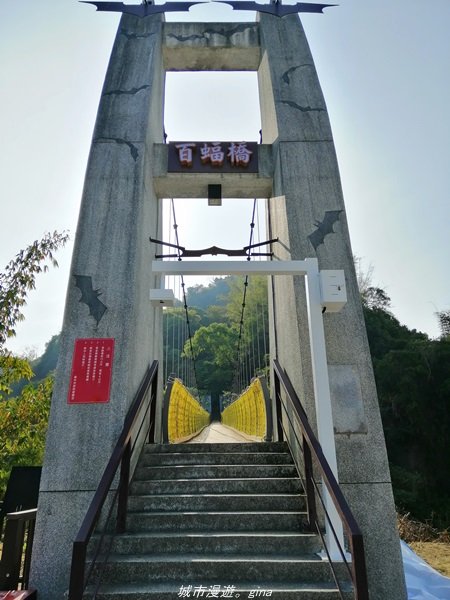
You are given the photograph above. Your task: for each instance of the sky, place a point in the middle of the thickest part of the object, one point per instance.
(384, 69)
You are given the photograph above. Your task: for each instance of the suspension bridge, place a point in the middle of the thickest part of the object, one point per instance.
(140, 495)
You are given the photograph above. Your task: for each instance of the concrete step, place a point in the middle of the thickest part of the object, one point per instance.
(224, 519)
(214, 471)
(215, 458)
(216, 521)
(217, 502)
(194, 569)
(225, 448)
(213, 542)
(161, 591)
(248, 485)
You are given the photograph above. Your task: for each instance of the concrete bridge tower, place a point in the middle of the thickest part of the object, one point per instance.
(111, 269)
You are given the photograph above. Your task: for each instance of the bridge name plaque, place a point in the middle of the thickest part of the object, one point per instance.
(213, 157)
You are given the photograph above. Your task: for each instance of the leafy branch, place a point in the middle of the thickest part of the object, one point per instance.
(19, 278)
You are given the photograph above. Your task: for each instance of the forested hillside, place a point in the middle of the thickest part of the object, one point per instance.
(412, 374)
(230, 338)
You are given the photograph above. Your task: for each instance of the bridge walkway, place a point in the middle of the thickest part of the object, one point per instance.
(216, 433)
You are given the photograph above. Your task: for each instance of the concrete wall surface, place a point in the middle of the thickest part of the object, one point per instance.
(306, 187)
(119, 211)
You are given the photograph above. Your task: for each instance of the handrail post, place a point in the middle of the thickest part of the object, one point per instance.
(309, 486)
(76, 587)
(278, 415)
(322, 397)
(27, 556)
(120, 457)
(124, 483)
(12, 553)
(152, 416)
(359, 568)
(332, 494)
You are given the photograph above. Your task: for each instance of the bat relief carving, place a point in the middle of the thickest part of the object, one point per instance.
(90, 297)
(324, 227)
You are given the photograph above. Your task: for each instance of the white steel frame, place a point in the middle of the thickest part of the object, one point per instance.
(310, 269)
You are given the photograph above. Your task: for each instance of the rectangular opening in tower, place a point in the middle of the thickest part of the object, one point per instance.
(212, 106)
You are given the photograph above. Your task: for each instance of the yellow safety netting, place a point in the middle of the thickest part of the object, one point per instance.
(185, 415)
(248, 412)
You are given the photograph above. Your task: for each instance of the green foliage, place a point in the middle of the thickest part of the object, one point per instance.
(214, 348)
(220, 303)
(23, 425)
(23, 419)
(19, 277)
(41, 367)
(175, 334)
(413, 380)
(215, 293)
(12, 370)
(386, 334)
(444, 322)
(255, 329)
(46, 363)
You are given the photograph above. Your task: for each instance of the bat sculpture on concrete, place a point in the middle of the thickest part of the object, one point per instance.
(142, 10)
(276, 8)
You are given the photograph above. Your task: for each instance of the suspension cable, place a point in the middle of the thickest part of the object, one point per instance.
(241, 320)
(183, 287)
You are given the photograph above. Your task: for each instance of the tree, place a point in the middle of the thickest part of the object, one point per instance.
(215, 293)
(46, 363)
(19, 277)
(444, 322)
(12, 370)
(175, 335)
(371, 296)
(254, 344)
(23, 419)
(412, 374)
(23, 425)
(214, 348)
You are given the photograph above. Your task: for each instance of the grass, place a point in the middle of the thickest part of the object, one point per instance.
(431, 545)
(436, 554)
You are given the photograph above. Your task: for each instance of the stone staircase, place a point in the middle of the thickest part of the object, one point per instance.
(216, 521)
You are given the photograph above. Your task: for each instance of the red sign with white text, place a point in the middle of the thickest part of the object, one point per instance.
(90, 380)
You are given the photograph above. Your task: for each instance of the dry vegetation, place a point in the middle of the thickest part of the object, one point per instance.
(426, 541)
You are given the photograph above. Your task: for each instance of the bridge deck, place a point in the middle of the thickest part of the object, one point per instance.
(216, 433)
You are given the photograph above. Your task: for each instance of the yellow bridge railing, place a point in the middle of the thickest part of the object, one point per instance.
(251, 413)
(183, 414)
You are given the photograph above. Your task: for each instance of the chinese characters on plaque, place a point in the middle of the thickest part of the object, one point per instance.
(90, 380)
(204, 157)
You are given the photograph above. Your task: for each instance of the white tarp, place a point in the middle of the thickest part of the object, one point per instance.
(422, 581)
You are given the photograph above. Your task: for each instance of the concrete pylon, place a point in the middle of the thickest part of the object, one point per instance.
(126, 176)
(119, 212)
(306, 212)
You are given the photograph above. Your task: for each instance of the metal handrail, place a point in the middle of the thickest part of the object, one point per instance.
(121, 456)
(16, 552)
(268, 423)
(167, 433)
(312, 450)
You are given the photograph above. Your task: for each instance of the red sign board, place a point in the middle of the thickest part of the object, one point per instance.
(90, 380)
